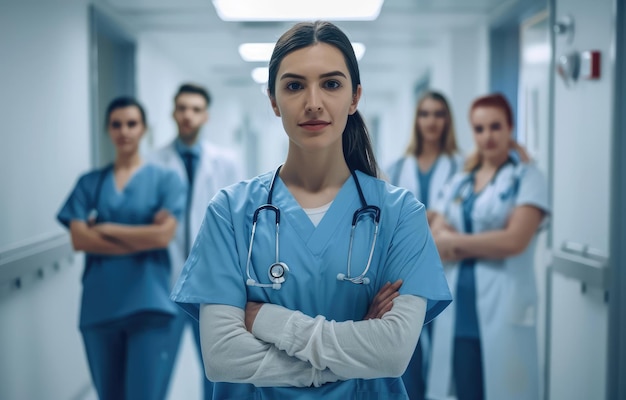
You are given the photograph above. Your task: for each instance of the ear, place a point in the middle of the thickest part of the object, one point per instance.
(355, 100)
(274, 105)
(205, 117)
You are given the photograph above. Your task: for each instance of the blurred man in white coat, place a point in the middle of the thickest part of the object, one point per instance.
(206, 168)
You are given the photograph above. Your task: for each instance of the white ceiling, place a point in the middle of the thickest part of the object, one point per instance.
(400, 40)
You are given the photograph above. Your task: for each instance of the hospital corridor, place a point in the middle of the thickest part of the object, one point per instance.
(147, 167)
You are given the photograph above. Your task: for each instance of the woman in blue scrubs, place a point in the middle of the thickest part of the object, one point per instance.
(123, 217)
(431, 159)
(313, 281)
(485, 345)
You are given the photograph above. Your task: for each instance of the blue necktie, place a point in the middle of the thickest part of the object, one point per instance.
(188, 161)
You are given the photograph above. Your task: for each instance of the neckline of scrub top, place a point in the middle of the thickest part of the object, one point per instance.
(429, 170)
(119, 191)
(508, 161)
(317, 238)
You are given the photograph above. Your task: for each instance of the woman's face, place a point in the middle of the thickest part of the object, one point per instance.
(431, 120)
(492, 132)
(314, 96)
(126, 129)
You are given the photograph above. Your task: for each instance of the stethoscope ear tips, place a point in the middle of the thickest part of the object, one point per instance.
(341, 277)
(250, 282)
(366, 281)
(276, 286)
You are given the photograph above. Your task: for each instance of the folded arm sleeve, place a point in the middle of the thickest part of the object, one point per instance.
(368, 349)
(78, 203)
(533, 191)
(173, 194)
(231, 354)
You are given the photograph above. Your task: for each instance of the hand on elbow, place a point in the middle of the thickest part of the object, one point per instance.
(515, 249)
(163, 241)
(77, 244)
(166, 234)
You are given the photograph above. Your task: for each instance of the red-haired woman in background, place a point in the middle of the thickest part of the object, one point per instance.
(485, 228)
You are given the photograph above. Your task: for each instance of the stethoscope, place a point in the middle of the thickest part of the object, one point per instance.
(465, 188)
(278, 271)
(93, 214)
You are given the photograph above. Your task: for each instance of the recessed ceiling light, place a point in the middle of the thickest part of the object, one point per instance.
(294, 10)
(256, 52)
(262, 52)
(261, 75)
(359, 50)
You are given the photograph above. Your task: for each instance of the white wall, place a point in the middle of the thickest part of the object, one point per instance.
(44, 103)
(469, 77)
(457, 65)
(582, 138)
(44, 106)
(158, 79)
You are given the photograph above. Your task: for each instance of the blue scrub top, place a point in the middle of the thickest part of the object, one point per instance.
(116, 286)
(424, 180)
(215, 272)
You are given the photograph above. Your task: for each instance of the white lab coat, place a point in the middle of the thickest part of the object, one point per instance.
(506, 292)
(217, 168)
(403, 173)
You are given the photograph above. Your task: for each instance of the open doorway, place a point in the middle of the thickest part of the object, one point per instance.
(111, 74)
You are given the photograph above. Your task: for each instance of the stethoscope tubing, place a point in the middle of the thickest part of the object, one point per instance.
(277, 281)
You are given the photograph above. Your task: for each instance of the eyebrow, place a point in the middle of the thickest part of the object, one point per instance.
(325, 75)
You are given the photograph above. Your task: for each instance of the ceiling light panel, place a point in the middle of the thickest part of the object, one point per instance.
(297, 10)
(262, 52)
(256, 52)
(260, 75)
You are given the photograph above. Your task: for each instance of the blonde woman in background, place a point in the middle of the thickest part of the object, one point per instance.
(431, 159)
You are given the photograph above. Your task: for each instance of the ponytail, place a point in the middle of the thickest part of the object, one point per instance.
(357, 146)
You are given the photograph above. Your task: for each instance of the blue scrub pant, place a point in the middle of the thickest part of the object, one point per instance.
(416, 373)
(129, 359)
(468, 369)
(183, 319)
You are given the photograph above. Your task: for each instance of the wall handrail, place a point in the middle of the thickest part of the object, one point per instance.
(590, 269)
(17, 262)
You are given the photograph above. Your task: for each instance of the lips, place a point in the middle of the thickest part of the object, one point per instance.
(314, 125)
(491, 145)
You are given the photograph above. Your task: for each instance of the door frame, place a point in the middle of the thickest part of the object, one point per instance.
(616, 369)
(123, 70)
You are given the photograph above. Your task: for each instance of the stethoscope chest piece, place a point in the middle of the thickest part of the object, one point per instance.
(278, 272)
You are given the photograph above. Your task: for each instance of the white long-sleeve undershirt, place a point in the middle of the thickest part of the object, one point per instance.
(288, 348)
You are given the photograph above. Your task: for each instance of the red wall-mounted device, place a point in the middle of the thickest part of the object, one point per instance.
(590, 64)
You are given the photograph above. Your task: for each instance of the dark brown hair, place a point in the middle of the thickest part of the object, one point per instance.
(357, 147)
(194, 89)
